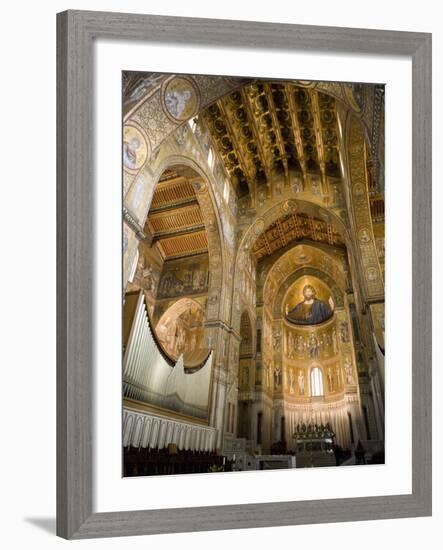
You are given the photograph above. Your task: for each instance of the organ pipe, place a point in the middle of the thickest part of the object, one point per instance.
(148, 377)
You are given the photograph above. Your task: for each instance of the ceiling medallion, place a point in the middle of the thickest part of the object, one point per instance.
(199, 186)
(302, 258)
(180, 98)
(135, 148)
(213, 297)
(215, 260)
(359, 190)
(211, 225)
(259, 226)
(364, 235)
(371, 274)
(289, 206)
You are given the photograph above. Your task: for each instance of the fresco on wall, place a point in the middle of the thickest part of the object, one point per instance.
(186, 278)
(180, 332)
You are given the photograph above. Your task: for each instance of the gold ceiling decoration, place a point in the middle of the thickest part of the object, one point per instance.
(267, 129)
(163, 223)
(175, 223)
(172, 190)
(184, 245)
(292, 227)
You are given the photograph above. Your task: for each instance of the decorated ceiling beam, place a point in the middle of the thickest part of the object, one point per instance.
(234, 129)
(279, 150)
(245, 93)
(178, 232)
(259, 106)
(319, 140)
(296, 128)
(291, 227)
(225, 146)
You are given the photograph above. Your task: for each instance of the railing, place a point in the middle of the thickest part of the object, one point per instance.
(145, 429)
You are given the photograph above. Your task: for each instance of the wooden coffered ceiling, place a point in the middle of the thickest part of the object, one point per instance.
(294, 227)
(175, 223)
(266, 129)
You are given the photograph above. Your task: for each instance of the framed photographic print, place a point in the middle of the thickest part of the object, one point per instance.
(244, 329)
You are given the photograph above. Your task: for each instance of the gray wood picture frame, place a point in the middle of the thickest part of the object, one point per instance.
(76, 32)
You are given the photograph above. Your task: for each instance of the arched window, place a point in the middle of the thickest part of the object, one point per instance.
(246, 335)
(316, 382)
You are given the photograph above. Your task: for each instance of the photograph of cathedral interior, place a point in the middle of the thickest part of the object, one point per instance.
(253, 274)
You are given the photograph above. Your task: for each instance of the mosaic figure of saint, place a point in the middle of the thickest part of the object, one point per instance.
(130, 153)
(245, 376)
(314, 347)
(176, 101)
(330, 380)
(291, 381)
(277, 377)
(301, 383)
(311, 311)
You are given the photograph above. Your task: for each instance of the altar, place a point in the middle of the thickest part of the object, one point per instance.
(314, 445)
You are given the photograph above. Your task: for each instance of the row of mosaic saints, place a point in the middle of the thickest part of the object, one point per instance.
(333, 375)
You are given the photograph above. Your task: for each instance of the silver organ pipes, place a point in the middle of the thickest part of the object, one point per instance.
(148, 377)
